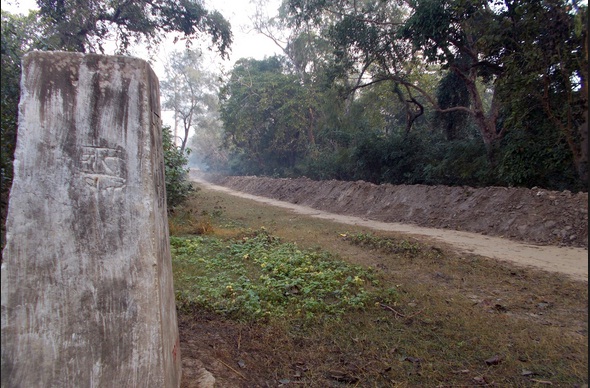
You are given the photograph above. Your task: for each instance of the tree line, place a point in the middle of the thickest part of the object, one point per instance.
(453, 92)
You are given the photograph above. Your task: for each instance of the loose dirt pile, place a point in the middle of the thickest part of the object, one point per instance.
(531, 215)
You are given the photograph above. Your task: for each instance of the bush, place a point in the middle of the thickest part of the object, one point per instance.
(395, 158)
(537, 157)
(178, 187)
(459, 163)
(325, 164)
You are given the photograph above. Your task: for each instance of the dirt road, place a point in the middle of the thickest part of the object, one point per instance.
(566, 260)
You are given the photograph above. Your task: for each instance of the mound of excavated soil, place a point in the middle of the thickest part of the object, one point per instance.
(531, 215)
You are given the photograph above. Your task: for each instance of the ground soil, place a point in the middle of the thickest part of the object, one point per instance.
(532, 228)
(538, 216)
(543, 229)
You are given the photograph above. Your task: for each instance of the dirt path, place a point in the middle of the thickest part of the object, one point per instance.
(570, 261)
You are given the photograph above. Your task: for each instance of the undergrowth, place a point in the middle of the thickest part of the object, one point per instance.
(260, 277)
(387, 245)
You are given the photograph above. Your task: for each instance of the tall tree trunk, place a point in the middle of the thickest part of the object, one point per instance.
(486, 121)
(582, 166)
(576, 137)
(310, 127)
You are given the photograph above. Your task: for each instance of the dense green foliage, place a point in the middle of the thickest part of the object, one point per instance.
(436, 92)
(85, 26)
(259, 277)
(266, 115)
(178, 187)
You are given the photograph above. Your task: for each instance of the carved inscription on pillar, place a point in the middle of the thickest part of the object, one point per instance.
(103, 168)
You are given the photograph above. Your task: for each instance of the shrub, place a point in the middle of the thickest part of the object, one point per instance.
(178, 187)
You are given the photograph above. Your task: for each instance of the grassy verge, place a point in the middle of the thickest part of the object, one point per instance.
(289, 300)
(257, 277)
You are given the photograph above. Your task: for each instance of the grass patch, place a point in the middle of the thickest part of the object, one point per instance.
(302, 303)
(259, 277)
(388, 245)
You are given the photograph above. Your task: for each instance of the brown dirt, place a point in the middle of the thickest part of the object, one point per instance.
(572, 261)
(214, 350)
(534, 215)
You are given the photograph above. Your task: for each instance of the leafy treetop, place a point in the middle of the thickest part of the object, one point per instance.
(85, 25)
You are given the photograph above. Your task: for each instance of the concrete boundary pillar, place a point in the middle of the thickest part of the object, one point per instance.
(87, 293)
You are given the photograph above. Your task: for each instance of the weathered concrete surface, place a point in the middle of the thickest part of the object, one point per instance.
(87, 293)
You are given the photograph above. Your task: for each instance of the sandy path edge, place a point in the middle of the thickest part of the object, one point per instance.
(570, 261)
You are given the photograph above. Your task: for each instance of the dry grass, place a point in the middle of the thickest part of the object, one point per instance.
(459, 320)
(184, 221)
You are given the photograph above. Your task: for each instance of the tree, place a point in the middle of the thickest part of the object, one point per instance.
(453, 34)
(385, 42)
(451, 92)
(86, 25)
(543, 49)
(364, 52)
(266, 116)
(487, 44)
(207, 152)
(19, 35)
(307, 50)
(189, 90)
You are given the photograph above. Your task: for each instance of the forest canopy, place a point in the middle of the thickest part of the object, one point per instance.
(455, 92)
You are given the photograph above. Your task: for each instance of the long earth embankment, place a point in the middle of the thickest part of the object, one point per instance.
(535, 215)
